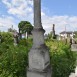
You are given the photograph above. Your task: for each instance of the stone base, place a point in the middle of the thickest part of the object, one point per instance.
(36, 73)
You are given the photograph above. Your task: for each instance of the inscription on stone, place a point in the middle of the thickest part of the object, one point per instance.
(36, 61)
(39, 60)
(74, 47)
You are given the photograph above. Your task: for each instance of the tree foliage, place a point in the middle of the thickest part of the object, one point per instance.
(13, 59)
(6, 37)
(25, 26)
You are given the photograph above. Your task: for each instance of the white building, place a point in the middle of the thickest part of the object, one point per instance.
(64, 35)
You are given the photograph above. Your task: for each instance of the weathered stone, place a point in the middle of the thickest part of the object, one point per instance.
(74, 47)
(38, 37)
(35, 73)
(15, 35)
(73, 41)
(39, 60)
(37, 14)
(53, 32)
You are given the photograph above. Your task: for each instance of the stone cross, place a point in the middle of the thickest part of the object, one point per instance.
(39, 59)
(15, 35)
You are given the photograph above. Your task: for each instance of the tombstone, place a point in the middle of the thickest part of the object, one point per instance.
(53, 32)
(15, 35)
(73, 41)
(74, 47)
(39, 59)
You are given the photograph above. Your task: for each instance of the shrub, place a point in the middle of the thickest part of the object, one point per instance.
(13, 62)
(14, 59)
(7, 37)
(26, 42)
(62, 59)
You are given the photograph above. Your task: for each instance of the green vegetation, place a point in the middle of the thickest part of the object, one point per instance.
(25, 27)
(62, 58)
(50, 36)
(6, 37)
(14, 59)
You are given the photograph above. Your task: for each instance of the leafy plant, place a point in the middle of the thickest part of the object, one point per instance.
(62, 59)
(14, 59)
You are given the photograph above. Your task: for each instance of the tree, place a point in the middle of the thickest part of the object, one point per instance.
(25, 27)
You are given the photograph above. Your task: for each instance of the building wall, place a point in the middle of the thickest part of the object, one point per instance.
(65, 36)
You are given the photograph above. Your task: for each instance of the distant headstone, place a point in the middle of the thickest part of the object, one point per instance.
(53, 31)
(74, 47)
(73, 41)
(15, 34)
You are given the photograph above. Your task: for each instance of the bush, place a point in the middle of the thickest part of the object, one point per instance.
(7, 37)
(14, 59)
(25, 42)
(13, 62)
(62, 59)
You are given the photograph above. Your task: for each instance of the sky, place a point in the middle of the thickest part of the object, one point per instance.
(62, 13)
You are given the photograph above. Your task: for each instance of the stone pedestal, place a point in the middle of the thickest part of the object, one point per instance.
(39, 60)
(35, 73)
(38, 57)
